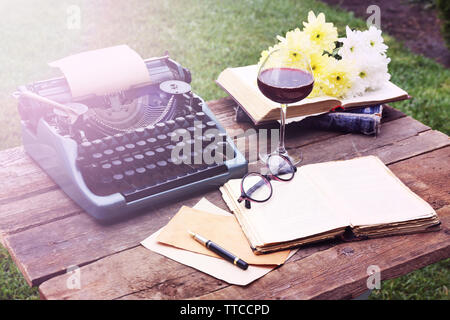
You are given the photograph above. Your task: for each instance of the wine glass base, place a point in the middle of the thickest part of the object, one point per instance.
(295, 156)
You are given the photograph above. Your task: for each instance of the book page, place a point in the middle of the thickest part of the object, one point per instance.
(368, 192)
(297, 209)
(249, 74)
(387, 93)
(241, 84)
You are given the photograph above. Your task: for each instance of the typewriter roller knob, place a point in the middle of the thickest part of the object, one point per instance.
(175, 87)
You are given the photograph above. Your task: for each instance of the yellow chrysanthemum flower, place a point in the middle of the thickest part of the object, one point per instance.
(317, 89)
(338, 78)
(265, 53)
(322, 33)
(319, 63)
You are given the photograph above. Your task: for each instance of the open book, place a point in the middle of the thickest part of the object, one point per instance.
(240, 84)
(326, 200)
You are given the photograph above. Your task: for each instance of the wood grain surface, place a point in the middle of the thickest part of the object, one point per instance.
(46, 232)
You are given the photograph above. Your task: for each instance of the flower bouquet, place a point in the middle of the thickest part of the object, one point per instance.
(342, 67)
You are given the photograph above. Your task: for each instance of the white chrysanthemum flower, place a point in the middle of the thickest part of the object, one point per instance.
(374, 40)
(353, 44)
(371, 72)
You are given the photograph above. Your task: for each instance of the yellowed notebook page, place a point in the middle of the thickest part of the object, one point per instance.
(296, 209)
(368, 192)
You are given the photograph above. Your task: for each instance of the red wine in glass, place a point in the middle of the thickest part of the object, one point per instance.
(285, 85)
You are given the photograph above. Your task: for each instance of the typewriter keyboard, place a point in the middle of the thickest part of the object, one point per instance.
(142, 162)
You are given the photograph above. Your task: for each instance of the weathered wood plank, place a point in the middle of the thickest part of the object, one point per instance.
(427, 175)
(21, 176)
(149, 270)
(77, 239)
(35, 210)
(341, 271)
(51, 248)
(326, 143)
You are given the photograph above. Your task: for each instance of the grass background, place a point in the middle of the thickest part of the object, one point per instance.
(205, 36)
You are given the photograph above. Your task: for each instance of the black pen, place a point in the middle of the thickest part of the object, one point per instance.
(220, 251)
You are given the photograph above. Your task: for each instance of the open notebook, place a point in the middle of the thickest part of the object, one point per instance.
(241, 84)
(325, 199)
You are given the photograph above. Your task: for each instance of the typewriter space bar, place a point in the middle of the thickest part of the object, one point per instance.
(171, 184)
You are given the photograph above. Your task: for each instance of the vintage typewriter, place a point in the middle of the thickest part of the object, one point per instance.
(113, 154)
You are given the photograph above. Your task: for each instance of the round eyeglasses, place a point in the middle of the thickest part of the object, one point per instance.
(256, 187)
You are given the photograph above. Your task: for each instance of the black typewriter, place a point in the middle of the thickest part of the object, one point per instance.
(118, 154)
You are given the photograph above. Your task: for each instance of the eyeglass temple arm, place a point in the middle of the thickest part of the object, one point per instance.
(247, 202)
(256, 186)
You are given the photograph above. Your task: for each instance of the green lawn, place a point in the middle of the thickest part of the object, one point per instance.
(205, 36)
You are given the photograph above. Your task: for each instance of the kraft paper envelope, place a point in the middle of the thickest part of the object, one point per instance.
(218, 268)
(223, 230)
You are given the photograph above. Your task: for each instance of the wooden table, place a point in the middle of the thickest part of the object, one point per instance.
(46, 233)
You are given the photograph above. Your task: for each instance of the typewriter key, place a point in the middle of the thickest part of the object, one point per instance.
(140, 132)
(210, 125)
(128, 162)
(169, 150)
(200, 115)
(159, 152)
(130, 147)
(131, 136)
(200, 126)
(139, 159)
(162, 139)
(141, 144)
(108, 153)
(140, 179)
(129, 176)
(120, 183)
(190, 118)
(151, 142)
(191, 130)
(98, 144)
(97, 156)
(120, 150)
(172, 136)
(161, 127)
(181, 132)
(86, 147)
(150, 130)
(170, 124)
(116, 165)
(180, 121)
(149, 156)
(151, 174)
(120, 138)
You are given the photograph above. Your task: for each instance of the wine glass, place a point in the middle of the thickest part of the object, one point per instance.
(285, 77)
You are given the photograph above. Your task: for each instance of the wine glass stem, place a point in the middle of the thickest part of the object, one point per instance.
(281, 148)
